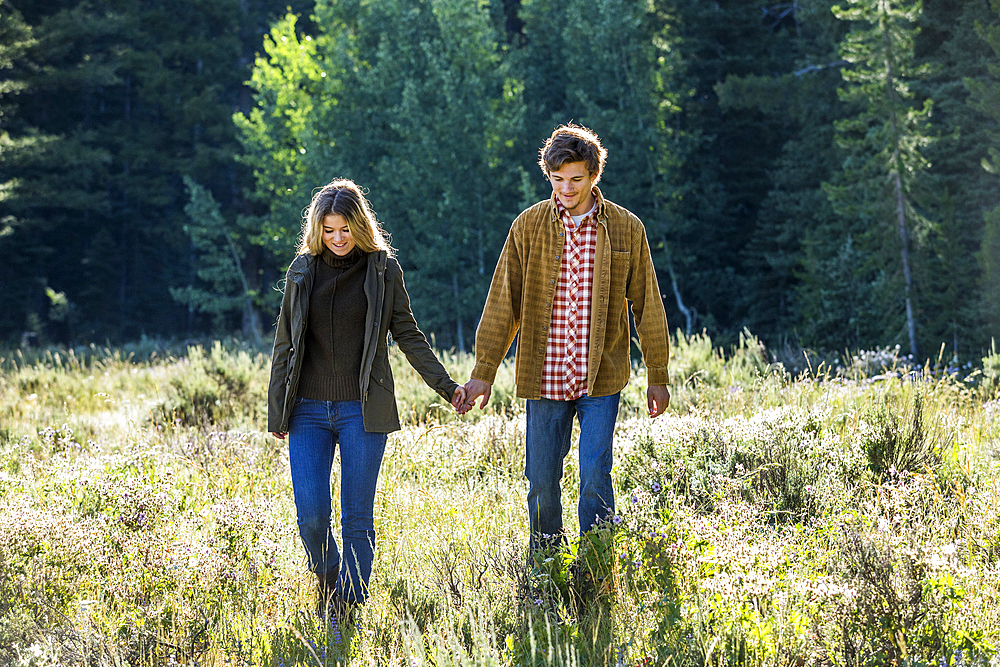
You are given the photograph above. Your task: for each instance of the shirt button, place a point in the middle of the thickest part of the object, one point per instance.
(552, 282)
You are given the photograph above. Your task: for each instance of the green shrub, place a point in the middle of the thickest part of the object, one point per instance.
(897, 439)
(694, 360)
(990, 384)
(899, 608)
(216, 389)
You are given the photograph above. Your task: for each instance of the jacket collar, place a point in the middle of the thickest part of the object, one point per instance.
(301, 266)
(305, 264)
(602, 216)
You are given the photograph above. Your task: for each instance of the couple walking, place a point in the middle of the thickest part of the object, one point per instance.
(568, 267)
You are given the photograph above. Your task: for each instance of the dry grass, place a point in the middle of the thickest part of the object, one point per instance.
(146, 519)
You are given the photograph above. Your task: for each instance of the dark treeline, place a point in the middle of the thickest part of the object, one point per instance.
(821, 173)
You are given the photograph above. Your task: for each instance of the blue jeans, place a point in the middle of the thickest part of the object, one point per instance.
(547, 441)
(314, 429)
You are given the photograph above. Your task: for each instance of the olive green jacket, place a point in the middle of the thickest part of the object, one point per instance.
(388, 311)
(524, 283)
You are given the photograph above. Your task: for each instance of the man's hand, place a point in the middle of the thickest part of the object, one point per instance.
(474, 389)
(279, 436)
(458, 400)
(657, 399)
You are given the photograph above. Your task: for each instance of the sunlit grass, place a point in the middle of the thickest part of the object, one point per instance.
(147, 519)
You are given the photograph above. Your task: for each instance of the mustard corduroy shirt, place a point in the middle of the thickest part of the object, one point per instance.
(520, 301)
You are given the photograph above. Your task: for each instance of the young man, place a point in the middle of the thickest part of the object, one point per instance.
(562, 281)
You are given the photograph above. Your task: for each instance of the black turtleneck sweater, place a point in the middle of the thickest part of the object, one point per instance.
(335, 332)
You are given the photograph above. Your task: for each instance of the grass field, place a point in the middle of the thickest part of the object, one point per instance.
(844, 515)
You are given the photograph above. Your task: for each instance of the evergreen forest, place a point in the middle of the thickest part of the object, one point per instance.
(820, 173)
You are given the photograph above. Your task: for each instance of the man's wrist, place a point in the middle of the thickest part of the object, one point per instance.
(483, 372)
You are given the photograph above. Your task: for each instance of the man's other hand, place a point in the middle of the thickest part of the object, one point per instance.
(657, 399)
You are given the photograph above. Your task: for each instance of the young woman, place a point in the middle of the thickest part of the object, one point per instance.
(331, 382)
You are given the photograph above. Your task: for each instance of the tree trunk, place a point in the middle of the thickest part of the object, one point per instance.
(911, 326)
(251, 325)
(459, 332)
(688, 314)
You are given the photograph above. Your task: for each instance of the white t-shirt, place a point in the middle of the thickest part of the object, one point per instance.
(578, 218)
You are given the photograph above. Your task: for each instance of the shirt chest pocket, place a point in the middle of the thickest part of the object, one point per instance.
(621, 260)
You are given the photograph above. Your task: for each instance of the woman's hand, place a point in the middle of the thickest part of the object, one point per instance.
(458, 400)
(279, 436)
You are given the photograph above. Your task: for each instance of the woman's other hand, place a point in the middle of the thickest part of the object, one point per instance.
(458, 400)
(279, 436)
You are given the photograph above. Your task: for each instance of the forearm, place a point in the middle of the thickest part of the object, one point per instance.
(649, 314)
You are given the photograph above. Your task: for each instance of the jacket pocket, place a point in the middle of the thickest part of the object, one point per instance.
(621, 260)
(381, 375)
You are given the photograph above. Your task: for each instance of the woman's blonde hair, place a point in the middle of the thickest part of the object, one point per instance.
(342, 197)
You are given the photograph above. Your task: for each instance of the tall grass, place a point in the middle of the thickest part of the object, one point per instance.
(842, 517)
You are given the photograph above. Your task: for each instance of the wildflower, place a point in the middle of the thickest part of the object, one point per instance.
(656, 487)
(617, 519)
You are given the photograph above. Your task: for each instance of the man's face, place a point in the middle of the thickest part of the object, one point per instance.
(572, 184)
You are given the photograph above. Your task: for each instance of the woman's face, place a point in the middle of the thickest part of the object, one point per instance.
(337, 235)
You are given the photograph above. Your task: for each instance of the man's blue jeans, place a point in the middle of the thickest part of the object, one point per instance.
(547, 441)
(314, 429)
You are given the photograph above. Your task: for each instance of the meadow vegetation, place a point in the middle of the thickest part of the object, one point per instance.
(844, 515)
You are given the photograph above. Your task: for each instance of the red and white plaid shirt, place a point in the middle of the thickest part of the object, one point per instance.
(564, 373)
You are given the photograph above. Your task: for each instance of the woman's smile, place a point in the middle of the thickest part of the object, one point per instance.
(337, 235)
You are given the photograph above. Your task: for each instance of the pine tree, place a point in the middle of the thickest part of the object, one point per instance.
(221, 265)
(20, 142)
(985, 98)
(796, 229)
(957, 192)
(134, 96)
(885, 138)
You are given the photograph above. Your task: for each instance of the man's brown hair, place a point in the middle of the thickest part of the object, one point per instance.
(572, 143)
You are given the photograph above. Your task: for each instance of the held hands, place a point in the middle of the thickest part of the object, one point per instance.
(657, 399)
(458, 400)
(474, 389)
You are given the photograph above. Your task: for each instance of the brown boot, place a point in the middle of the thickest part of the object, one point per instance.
(324, 594)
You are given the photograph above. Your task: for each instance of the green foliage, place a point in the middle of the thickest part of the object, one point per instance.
(901, 609)
(989, 262)
(898, 440)
(722, 122)
(414, 102)
(984, 97)
(216, 388)
(116, 103)
(883, 139)
(221, 265)
(748, 528)
(991, 374)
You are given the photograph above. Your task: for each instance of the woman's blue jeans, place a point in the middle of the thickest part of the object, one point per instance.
(547, 442)
(314, 429)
